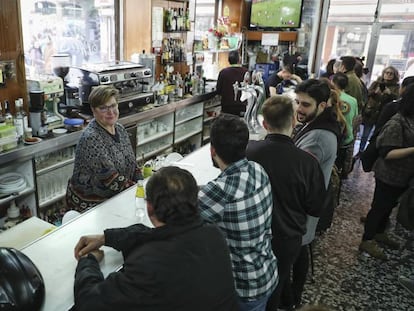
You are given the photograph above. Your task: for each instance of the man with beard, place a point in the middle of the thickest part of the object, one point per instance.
(320, 130)
(319, 135)
(240, 202)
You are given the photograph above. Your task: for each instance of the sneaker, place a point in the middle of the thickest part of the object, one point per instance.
(371, 248)
(407, 283)
(386, 240)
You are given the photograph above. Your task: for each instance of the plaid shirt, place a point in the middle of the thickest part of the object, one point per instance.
(240, 202)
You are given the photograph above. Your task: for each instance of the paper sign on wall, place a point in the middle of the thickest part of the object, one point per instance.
(271, 39)
(157, 26)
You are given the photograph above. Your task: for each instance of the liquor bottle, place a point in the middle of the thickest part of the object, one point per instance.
(168, 20)
(187, 20)
(165, 52)
(140, 204)
(20, 119)
(175, 21)
(7, 114)
(180, 20)
(2, 119)
(179, 86)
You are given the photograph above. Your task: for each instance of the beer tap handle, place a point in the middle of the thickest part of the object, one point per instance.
(246, 79)
(235, 89)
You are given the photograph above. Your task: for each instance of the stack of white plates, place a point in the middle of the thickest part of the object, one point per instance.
(12, 182)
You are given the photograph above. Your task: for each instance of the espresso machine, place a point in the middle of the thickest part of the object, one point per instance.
(131, 79)
(53, 91)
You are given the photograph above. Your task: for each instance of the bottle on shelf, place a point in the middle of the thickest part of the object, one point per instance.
(2, 119)
(168, 20)
(165, 59)
(7, 114)
(140, 204)
(187, 20)
(180, 20)
(13, 212)
(20, 119)
(179, 86)
(175, 20)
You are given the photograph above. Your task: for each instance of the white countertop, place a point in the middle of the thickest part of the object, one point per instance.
(25, 233)
(53, 253)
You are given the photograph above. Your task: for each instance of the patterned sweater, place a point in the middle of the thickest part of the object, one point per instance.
(105, 165)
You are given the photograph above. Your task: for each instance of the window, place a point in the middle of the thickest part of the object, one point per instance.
(83, 29)
(352, 10)
(397, 11)
(205, 17)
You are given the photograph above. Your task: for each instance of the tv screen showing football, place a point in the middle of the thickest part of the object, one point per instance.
(275, 13)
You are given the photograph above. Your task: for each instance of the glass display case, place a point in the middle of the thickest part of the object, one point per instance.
(188, 122)
(53, 171)
(212, 109)
(154, 136)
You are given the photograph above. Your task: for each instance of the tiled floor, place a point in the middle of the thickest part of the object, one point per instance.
(346, 280)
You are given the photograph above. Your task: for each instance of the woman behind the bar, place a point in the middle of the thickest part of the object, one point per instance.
(105, 163)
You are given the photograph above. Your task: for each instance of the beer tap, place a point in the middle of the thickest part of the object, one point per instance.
(256, 91)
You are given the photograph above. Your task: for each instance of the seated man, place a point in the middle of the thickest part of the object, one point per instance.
(279, 79)
(240, 202)
(180, 264)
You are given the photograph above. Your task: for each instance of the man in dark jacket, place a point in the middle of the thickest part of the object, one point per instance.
(319, 135)
(180, 264)
(297, 185)
(226, 78)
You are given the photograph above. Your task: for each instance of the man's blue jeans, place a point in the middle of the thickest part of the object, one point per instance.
(255, 305)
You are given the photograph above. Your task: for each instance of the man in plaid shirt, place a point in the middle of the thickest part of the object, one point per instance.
(240, 202)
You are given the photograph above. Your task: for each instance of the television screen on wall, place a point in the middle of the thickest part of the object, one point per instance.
(274, 14)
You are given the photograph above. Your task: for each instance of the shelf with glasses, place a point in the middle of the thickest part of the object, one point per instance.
(156, 152)
(55, 166)
(154, 137)
(188, 129)
(54, 160)
(154, 148)
(50, 201)
(188, 113)
(52, 184)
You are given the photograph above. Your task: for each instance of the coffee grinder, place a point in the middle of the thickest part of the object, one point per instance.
(52, 88)
(37, 115)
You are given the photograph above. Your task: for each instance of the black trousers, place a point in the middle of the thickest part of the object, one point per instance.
(385, 199)
(299, 275)
(286, 251)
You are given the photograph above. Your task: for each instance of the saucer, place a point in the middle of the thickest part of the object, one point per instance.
(36, 140)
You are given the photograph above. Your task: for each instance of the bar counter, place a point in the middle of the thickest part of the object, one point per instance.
(23, 152)
(53, 253)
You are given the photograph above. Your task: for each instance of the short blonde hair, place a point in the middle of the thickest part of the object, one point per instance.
(101, 94)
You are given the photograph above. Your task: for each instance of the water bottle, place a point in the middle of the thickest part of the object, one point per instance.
(140, 204)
